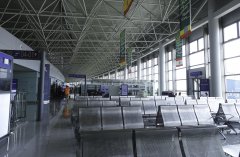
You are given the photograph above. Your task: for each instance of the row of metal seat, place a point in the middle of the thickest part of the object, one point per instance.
(161, 142)
(188, 115)
(150, 106)
(109, 118)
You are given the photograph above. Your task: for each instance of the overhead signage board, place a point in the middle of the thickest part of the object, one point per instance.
(19, 54)
(185, 18)
(77, 75)
(179, 61)
(199, 73)
(126, 5)
(122, 48)
(196, 74)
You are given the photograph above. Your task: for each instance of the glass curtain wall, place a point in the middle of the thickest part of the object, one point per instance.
(231, 47)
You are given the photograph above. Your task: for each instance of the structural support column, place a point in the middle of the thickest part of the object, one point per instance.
(161, 67)
(139, 69)
(215, 57)
(41, 87)
(109, 75)
(116, 73)
(125, 73)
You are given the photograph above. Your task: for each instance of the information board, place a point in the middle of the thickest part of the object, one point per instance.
(124, 90)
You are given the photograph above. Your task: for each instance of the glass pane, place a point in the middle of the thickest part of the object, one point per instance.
(156, 69)
(149, 71)
(170, 75)
(233, 95)
(144, 64)
(193, 46)
(156, 77)
(232, 49)
(196, 58)
(200, 44)
(170, 65)
(155, 88)
(169, 55)
(232, 83)
(149, 63)
(155, 61)
(230, 32)
(144, 72)
(232, 65)
(181, 74)
(183, 50)
(170, 85)
(181, 85)
(197, 66)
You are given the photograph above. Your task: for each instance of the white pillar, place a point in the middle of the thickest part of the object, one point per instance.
(215, 57)
(139, 69)
(161, 67)
(116, 73)
(125, 73)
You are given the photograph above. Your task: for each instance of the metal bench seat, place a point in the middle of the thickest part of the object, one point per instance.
(89, 119)
(157, 142)
(132, 117)
(169, 116)
(112, 118)
(203, 114)
(149, 107)
(201, 142)
(94, 103)
(187, 115)
(107, 144)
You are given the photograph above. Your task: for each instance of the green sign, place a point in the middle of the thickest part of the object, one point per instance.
(178, 51)
(122, 48)
(185, 18)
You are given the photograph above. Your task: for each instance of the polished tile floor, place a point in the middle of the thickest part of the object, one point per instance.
(54, 138)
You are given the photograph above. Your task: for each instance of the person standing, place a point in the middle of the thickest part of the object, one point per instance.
(67, 91)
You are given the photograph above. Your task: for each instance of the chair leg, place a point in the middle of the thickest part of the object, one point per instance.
(224, 137)
(231, 127)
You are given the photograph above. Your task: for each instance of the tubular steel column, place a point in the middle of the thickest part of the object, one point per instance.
(161, 67)
(116, 73)
(139, 69)
(41, 87)
(125, 73)
(213, 26)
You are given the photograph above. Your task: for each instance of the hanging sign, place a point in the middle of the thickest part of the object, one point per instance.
(185, 18)
(129, 56)
(21, 54)
(122, 48)
(129, 59)
(179, 61)
(126, 5)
